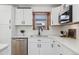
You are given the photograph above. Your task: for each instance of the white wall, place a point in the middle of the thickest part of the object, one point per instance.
(41, 9)
(54, 31)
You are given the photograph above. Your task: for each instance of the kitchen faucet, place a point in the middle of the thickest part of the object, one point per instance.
(40, 28)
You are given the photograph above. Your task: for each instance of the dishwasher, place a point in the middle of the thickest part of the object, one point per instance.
(19, 46)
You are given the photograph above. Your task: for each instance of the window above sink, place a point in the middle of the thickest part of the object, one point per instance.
(41, 19)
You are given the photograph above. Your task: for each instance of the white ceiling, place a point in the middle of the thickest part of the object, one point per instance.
(37, 5)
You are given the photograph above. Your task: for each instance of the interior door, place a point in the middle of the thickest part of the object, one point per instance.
(5, 36)
(5, 26)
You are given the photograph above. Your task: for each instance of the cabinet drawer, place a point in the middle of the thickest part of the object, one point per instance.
(42, 40)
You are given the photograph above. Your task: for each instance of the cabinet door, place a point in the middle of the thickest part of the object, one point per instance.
(5, 14)
(28, 16)
(19, 16)
(53, 46)
(55, 16)
(75, 13)
(63, 50)
(67, 51)
(33, 48)
(45, 49)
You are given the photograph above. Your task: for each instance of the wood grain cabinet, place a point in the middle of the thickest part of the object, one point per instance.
(19, 46)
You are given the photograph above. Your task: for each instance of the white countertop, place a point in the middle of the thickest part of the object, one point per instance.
(3, 46)
(72, 44)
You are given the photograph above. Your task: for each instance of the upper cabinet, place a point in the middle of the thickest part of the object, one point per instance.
(75, 12)
(23, 16)
(64, 8)
(19, 16)
(55, 16)
(5, 14)
(28, 16)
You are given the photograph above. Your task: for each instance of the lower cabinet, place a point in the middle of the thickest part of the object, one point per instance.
(33, 48)
(45, 49)
(38, 49)
(63, 50)
(48, 48)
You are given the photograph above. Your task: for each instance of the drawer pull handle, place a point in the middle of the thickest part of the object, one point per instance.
(39, 40)
(58, 45)
(61, 54)
(53, 41)
(9, 27)
(52, 45)
(39, 45)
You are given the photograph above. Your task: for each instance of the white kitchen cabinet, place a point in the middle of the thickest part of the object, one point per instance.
(39, 49)
(33, 48)
(58, 48)
(42, 47)
(63, 50)
(23, 17)
(28, 16)
(38, 46)
(53, 47)
(64, 8)
(5, 14)
(55, 16)
(76, 13)
(19, 16)
(45, 49)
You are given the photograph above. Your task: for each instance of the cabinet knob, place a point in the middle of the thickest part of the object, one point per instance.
(9, 27)
(39, 45)
(38, 40)
(61, 54)
(53, 41)
(58, 45)
(9, 21)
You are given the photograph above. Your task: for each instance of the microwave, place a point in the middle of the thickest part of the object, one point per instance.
(64, 17)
